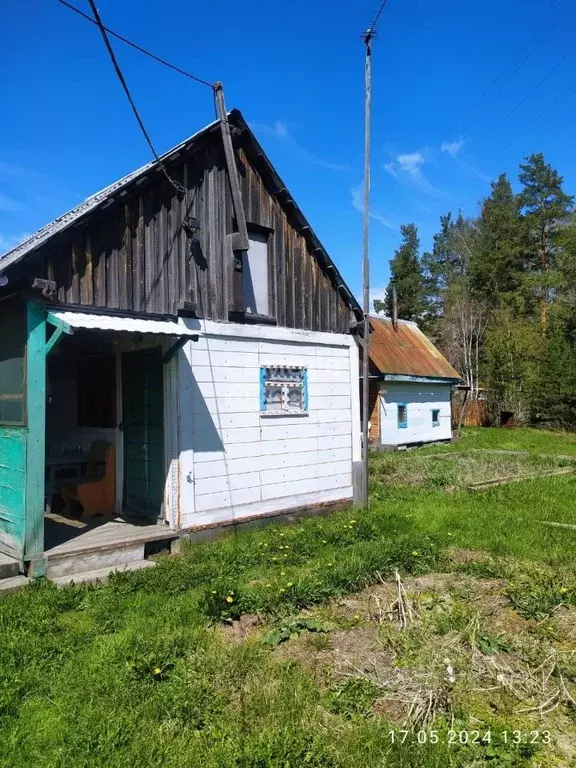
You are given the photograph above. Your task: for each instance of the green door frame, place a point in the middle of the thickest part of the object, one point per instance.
(36, 435)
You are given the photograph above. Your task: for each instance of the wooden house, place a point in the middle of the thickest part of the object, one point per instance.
(186, 324)
(410, 387)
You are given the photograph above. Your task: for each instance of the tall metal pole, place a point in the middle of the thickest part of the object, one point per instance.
(366, 265)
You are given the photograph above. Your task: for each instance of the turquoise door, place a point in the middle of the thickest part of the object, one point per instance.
(143, 431)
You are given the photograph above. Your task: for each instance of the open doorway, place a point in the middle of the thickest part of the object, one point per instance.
(104, 436)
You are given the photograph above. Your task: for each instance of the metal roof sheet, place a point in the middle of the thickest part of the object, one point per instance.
(406, 351)
(99, 322)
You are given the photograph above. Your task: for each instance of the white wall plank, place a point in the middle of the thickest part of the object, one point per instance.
(332, 351)
(329, 402)
(328, 376)
(227, 499)
(276, 430)
(225, 483)
(224, 389)
(226, 437)
(218, 405)
(228, 359)
(334, 441)
(204, 373)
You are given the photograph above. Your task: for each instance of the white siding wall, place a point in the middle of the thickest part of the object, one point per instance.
(236, 463)
(420, 400)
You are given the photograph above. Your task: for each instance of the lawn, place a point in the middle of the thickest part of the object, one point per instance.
(289, 645)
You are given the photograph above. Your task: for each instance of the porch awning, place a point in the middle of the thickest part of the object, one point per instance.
(97, 322)
(68, 322)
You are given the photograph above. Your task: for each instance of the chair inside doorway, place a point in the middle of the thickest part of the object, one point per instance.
(81, 428)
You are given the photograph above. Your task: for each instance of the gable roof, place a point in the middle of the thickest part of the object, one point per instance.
(406, 351)
(107, 195)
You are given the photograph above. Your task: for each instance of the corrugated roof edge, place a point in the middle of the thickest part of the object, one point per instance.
(61, 223)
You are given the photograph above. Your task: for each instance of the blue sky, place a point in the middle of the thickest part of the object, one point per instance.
(461, 92)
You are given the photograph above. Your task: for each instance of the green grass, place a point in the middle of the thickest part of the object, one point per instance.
(137, 673)
(520, 439)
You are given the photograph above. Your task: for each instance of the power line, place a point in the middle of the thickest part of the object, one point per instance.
(552, 127)
(177, 187)
(135, 45)
(372, 27)
(483, 103)
(540, 82)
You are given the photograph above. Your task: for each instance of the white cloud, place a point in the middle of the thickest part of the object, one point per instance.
(411, 164)
(357, 200)
(280, 131)
(407, 167)
(452, 148)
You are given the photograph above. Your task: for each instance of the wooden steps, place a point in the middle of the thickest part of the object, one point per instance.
(92, 554)
(12, 584)
(9, 567)
(71, 563)
(99, 574)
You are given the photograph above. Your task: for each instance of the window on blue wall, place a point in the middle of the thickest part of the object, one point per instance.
(435, 417)
(283, 390)
(402, 415)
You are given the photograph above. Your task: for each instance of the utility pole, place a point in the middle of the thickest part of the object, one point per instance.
(368, 35)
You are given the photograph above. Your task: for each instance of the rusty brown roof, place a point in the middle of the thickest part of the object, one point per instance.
(406, 351)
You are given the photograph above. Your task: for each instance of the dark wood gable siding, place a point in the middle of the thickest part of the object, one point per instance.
(133, 254)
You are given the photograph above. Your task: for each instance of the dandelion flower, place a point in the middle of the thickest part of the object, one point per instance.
(357, 617)
(229, 599)
(563, 590)
(157, 670)
(290, 584)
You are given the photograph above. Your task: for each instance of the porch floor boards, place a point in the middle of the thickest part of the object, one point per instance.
(64, 536)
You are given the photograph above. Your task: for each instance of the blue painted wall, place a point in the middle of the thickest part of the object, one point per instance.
(13, 490)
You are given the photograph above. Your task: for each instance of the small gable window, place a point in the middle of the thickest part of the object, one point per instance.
(255, 274)
(402, 416)
(435, 417)
(283, 390)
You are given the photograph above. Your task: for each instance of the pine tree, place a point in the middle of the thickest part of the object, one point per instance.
(556, 394)
(544, 205)
(496, 264)
(446, 267)
(406, 275)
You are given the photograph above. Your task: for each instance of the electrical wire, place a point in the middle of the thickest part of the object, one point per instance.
(540, 82)
(178, 187)
(483, 102)
(372, 27)
(136, 46)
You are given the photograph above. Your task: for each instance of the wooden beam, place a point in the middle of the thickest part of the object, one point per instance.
(60, 329)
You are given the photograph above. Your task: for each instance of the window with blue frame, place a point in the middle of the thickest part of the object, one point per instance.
(435, 417)
(402, 416)
(283, 390)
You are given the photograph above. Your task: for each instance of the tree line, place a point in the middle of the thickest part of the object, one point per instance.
(497, 293)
